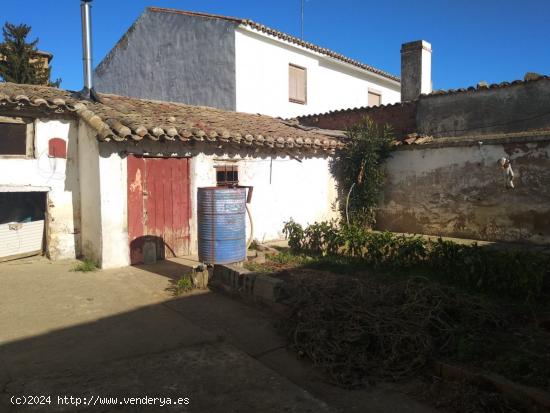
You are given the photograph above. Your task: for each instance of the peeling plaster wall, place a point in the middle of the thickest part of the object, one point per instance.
(58, 177)
(460, 192)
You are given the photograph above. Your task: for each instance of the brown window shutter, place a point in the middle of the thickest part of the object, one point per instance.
(297, 84)
(375, 99)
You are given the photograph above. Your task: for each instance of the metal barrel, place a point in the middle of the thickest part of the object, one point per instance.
(221, 220)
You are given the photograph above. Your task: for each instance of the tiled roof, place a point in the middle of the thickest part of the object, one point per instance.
(351, 110)
(530, 77)
(285, 37)
(121, 118)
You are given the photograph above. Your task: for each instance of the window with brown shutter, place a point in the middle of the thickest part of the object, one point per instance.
(16, 136)
(375, 98)
(297, 84)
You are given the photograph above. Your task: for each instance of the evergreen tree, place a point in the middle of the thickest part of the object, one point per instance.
(19, 60)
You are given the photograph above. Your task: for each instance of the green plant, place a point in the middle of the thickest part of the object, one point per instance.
(20, 61)
(360, 166)
(287, 257)
(322, 238)
(519, 274)
(354, 239)
(85, 266)
(183, 285)
(294, 233)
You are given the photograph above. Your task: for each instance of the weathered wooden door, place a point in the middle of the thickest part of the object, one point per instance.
(158, 206)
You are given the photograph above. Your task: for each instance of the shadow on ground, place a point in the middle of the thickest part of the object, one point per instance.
(121, 334)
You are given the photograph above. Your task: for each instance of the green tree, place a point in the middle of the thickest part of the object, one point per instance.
(19, 59)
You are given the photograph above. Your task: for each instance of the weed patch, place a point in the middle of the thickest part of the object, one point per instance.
(518, 274)
(183, 285)
(85, 266)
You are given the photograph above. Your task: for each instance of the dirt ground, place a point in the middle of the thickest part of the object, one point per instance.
(121, 333)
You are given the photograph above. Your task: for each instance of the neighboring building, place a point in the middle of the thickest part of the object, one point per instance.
(236, 64)
(444, 179)
(83, 178)
(44, 57)
(41, 56)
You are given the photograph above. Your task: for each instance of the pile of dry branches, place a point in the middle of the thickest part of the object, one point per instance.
(360, 329)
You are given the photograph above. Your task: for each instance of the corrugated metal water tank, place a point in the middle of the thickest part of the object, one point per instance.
(221, 224)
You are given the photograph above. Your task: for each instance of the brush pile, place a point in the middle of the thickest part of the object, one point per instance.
(357, 330)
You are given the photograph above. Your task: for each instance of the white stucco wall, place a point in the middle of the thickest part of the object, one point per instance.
(304, 191)
(58, 177)
(90, 193)
(262, 79)
(114, 210)
(104, 202)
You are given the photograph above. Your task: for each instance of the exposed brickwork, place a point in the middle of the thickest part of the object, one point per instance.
(401, 116)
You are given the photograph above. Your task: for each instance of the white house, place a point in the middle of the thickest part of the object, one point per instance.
(92, 178)
(236, 64)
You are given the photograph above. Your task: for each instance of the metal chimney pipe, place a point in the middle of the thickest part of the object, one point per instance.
(85, 12)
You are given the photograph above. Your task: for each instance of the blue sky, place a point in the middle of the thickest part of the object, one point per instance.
(472, 40)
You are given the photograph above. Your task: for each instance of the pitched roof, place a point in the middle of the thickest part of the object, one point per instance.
(121, 118)
(283, 36)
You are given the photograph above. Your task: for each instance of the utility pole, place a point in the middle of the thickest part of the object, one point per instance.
(302, 20)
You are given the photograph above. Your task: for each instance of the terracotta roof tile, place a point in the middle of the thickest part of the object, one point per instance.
(283, 36)
(121, 118)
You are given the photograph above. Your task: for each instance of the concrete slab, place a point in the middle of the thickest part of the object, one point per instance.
(214, 377)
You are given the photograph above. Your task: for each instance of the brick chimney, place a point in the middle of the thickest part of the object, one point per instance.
(416, 69)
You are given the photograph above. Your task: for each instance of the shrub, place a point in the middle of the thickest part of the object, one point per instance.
(512, 273)
(294, 233)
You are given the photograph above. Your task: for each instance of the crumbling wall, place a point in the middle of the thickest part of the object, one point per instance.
(459, 191)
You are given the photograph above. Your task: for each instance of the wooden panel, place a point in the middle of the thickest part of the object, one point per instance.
(57, 148)
(165, 206)
(136, 228)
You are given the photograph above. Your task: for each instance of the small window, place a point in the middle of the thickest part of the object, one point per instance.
(297, 84)
(227, 175)
(15, 136)
(375, 98)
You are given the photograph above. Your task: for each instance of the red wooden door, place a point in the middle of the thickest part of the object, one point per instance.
(158, 206)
